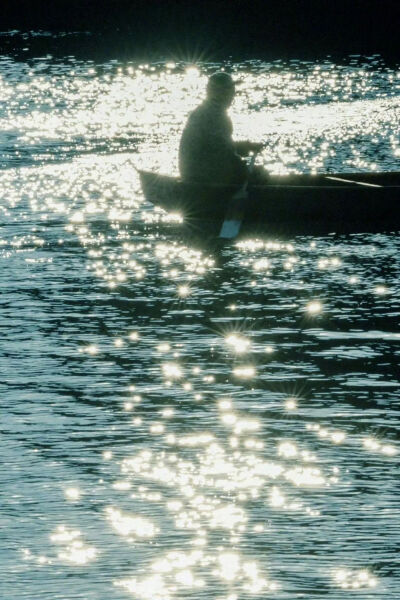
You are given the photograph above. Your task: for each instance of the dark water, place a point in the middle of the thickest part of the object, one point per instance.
(181, 422)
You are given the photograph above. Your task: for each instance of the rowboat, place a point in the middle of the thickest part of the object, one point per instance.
(289, 204)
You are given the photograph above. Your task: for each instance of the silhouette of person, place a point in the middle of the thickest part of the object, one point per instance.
(207, 153)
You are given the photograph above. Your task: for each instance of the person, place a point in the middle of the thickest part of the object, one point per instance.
(207, 153)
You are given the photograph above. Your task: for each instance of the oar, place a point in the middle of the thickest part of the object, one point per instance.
(235, 213)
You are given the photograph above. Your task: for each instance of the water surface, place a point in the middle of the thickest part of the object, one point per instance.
(179, 421)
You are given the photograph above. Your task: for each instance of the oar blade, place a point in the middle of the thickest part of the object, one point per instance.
(230, 228)
(233, 219)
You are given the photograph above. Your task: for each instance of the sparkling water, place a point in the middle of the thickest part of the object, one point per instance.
(180, 421)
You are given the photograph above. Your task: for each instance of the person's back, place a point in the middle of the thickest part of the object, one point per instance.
(207, 153)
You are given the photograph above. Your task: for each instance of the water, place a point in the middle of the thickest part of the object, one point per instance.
(177, 421)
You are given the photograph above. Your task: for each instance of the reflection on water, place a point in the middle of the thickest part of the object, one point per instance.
(186, 422)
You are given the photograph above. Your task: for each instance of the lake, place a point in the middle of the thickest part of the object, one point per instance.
(181, 421)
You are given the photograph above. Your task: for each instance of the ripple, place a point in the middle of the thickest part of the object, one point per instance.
(186, 421)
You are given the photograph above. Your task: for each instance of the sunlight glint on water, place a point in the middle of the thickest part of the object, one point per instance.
(181, 422)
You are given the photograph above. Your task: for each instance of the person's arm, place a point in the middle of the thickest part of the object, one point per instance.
(219, 134)
(224, 151)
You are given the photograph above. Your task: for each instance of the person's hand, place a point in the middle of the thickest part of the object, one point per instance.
(255, 147)
(245, 148)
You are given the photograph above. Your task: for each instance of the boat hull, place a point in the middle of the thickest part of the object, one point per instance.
(300, 204)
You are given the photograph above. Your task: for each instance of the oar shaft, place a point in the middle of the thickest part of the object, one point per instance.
(234, 216)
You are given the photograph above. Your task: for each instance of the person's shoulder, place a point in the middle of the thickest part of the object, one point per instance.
(201, 109)
(200, 114)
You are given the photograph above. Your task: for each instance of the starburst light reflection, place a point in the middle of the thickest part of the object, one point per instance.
(199, 500)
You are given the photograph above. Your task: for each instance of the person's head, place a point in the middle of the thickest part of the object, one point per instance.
(221, 88)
